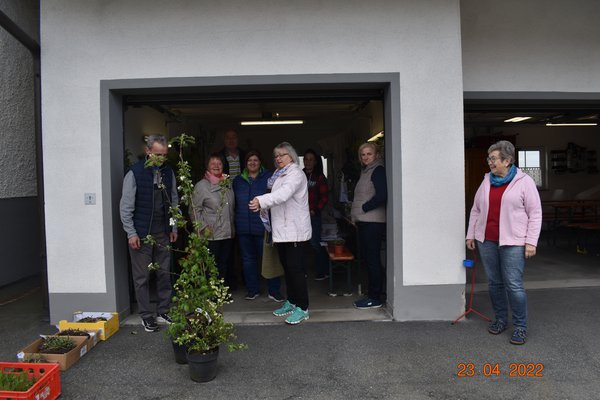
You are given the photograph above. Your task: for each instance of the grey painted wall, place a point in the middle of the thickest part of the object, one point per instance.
(19, 236)
(17, 124)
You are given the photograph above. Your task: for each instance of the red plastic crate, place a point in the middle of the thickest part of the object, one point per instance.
(47, 386)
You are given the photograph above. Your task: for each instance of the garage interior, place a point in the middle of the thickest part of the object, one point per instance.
(334, 123)
(564, 138)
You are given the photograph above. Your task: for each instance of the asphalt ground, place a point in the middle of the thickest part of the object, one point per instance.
(346, 360)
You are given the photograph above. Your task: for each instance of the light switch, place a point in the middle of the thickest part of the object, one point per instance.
(89, 199)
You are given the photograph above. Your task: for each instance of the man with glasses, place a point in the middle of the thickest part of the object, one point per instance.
(148, 192)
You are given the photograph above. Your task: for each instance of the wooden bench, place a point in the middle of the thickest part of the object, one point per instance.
(344, 260)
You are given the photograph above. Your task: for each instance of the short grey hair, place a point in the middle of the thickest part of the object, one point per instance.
(288, 149)
(506, 149)
(151, 139)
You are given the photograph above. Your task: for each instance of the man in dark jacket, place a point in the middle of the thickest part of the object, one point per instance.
(232, 154)
(148, 192)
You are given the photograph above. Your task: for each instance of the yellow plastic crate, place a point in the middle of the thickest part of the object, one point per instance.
(106, 328)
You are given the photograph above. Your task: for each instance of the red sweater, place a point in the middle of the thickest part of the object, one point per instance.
(492, 227)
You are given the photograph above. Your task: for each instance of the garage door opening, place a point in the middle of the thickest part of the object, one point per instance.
(557, 143)
(335, 122)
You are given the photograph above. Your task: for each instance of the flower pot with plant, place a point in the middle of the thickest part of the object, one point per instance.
(198, 323)
(338, 246)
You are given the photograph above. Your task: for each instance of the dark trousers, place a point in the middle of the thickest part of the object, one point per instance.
(293, 258)
(370, 235)
(321, 257)
(221, 250)
(141, 276)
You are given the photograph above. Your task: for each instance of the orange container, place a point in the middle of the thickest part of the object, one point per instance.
(46, 387)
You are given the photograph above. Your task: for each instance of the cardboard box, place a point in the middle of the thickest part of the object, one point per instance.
(93, 340)
(107, 328)
(64, 360)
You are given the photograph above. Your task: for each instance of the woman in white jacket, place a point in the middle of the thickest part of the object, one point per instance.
(290, 224)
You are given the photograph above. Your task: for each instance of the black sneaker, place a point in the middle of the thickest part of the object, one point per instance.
(164, 319)
(321, 277)
(276, 297)
(150, 324)
(251, 295)
(367, 303)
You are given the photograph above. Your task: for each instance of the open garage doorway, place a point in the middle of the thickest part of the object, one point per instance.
(336, 117)
(557, 141)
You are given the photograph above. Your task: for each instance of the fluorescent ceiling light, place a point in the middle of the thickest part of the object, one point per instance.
(375, 137)
(574, 124)
(274, 122)
(517, 119)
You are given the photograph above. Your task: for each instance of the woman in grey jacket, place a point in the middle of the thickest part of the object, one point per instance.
(212, 208)
(368, 212)
(290, 224)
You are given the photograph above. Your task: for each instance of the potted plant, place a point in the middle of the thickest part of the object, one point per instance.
(199, 294)
(338, 246)
(16, 382)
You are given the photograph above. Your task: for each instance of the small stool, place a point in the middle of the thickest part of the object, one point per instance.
(339, 261)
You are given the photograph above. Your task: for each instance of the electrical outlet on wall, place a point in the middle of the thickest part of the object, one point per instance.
(89, 199)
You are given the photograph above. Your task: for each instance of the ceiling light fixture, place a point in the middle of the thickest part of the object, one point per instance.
(573, 124)
(274, 122)
(517, 119)
(375, 137)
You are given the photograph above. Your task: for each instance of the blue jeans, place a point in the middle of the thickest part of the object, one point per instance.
(251, 248)
(321, 257)
(370, 235)
(504, 266)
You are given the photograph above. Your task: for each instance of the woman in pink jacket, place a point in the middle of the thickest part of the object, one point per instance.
(505, 222)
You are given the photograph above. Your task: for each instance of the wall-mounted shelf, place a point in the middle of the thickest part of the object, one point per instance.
(574, 159)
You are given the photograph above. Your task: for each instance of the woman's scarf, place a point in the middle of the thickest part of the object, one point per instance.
(264, 214)
(499, 181)
(276, 174)
(214, 180)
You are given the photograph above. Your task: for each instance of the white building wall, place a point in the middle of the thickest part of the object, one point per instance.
(85, 42)
(533, 45)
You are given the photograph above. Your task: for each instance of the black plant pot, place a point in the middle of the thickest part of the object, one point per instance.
(180, 353)
(203, 366)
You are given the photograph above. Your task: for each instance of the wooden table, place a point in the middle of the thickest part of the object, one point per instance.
(343, 260)
(567, 213)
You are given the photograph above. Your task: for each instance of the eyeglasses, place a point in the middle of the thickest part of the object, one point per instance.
(492, 159)
(281, 155)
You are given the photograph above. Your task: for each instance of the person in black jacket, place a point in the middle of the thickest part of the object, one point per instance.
(148, 192)
(250, 231)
